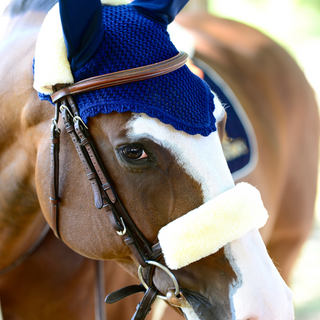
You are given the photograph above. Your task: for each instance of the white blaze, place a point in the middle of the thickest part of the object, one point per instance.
(260, 293)
(205, 163)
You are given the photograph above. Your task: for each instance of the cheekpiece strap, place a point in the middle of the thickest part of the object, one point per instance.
(123, 77)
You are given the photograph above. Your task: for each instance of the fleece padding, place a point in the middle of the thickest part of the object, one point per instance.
(51, 63)
(204, 230)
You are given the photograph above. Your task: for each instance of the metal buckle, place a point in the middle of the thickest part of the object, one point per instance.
(63, 106)
(55, 124)
(79, 118)
(123, 232)
(167, 271)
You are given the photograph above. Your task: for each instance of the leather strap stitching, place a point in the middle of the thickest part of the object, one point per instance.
(123, 77)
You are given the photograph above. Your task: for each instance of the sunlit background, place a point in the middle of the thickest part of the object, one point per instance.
(293, 23)
(296, 25)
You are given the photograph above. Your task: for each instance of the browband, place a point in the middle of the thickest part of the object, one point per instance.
(123, 77)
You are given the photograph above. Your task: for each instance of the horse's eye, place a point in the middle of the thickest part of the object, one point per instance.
(133, 152)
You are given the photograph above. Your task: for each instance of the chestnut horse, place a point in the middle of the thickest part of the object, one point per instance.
(284, 173)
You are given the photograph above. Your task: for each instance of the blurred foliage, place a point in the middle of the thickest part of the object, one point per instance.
(290, 22)
(314, 4)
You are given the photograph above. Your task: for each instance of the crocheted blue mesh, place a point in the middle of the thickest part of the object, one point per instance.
(179, 98)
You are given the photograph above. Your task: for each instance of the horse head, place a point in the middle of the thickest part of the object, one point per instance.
(160, 142)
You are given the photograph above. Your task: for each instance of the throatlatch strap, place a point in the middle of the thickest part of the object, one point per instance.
(54, 174)
(28, 253)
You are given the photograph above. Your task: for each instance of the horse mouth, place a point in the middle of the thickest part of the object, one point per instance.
(203, 309)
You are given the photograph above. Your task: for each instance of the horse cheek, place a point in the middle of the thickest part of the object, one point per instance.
(157, 202)
(42, 178)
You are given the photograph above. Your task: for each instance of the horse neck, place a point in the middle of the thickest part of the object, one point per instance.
(21, 220)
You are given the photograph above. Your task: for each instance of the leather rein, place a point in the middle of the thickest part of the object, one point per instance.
(105, 196)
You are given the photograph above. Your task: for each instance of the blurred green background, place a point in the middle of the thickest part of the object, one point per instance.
(295, 24)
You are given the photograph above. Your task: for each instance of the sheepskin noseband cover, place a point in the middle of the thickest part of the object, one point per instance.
(203, 231)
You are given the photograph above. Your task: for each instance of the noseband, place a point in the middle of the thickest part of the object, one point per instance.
(105, 196)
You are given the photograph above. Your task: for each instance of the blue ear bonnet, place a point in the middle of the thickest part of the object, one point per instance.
(131, 40)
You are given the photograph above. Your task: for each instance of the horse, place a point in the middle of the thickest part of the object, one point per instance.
(83, 232)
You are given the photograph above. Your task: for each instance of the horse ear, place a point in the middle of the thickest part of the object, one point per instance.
(82, 29)
(160, 11)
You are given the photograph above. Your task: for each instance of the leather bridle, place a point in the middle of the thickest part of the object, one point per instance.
(105, 196)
